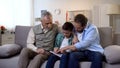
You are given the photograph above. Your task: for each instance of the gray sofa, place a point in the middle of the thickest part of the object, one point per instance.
(109, 41)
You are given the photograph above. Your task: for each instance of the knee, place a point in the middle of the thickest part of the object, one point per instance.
(72, 55)
(25, 51)
(64, 58)
(76, 56)
(52, 56)
(98, 56)
(41, 57)
(64, 55)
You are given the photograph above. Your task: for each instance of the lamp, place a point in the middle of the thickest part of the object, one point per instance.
(113, 9)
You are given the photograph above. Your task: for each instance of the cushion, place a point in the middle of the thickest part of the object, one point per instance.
(21, 33)
(9, 50)
(112, 54)
(105, 36)
(117, 39)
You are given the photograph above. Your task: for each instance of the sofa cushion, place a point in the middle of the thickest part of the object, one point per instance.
(117, 39)
(21, 33)
(106, 38)
(9, 50)
(112, 54)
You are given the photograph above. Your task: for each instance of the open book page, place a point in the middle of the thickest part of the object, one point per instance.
(59, 55)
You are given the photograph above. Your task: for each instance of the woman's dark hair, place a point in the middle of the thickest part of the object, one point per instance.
(68, 26)
(80, 18)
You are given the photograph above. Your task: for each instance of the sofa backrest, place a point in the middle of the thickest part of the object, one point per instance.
(116, 39)
(21, 33)
(106, 36)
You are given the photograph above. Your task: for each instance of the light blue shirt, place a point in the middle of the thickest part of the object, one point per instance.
(90, 39)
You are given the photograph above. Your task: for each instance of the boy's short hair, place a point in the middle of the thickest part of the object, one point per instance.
(68, 26)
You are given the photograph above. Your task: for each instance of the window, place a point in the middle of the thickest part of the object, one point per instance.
(15, 12)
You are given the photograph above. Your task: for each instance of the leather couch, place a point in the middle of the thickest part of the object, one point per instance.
(109, 41)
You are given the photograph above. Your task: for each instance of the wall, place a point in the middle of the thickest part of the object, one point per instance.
(70, 5)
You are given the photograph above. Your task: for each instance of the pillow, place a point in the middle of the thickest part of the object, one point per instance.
(112, 54)
(9, 50)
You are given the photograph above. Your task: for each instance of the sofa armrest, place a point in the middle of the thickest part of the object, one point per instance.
(112, 54)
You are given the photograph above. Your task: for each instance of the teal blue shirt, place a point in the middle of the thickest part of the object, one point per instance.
(59, 39)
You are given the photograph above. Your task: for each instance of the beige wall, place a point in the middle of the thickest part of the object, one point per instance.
(70, 5)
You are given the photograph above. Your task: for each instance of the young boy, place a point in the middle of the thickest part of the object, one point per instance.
(62, 40)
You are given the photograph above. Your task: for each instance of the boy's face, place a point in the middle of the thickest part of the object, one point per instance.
(66, 33)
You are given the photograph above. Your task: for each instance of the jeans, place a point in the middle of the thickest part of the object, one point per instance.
(53, 58)
(76, 57)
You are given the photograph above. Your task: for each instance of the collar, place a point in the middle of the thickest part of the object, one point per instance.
(44, 30)
(70, 38)
(87, 26)
(41, 25)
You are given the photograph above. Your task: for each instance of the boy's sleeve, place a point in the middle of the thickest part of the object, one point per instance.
(57, 40)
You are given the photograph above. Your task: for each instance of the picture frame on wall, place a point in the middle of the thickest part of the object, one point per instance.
(71, 14)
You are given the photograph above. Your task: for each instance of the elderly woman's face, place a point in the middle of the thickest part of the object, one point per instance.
(47, 22)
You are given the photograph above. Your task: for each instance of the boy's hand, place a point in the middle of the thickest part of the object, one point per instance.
(56, 50)
(63, 50)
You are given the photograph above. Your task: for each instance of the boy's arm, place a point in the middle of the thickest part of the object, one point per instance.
(75, 39)
(57, 41)
(56, 49)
